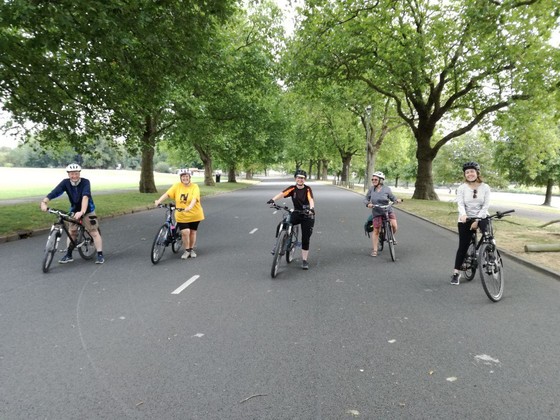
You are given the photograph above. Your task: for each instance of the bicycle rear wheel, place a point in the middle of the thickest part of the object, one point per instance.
(491, 271)
(280, 243)
(159, 245)
(177, 243)
(381, 237)
(292, 244)
(87, 249)
(50, 249)
(470, 262)
(390, 241)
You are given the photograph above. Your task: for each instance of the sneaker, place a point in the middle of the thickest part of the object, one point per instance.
(305, 265)
(455, 279)
(192, 254)
(185, 255)
(66, 259)
(100, 259)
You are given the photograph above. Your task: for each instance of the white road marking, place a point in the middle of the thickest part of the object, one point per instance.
(185, 285)
(253, 231)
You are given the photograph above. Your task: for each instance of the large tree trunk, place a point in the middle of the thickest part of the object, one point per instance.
(346, 160)
(424, 186)
(206, 159)
(548, 195)
(249, 174)
(324, 169)
(231, 174)
(147, 181)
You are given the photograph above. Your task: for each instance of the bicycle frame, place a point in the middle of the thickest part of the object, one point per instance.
(60, 225)
(287, 238)
(83, 242)
(386, 230)
(168, 234)
(484, 253)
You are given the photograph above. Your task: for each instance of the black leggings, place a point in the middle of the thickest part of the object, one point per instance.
(307, 224)
(465, 234)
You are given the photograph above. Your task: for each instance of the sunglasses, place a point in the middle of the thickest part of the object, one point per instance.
(474, 193)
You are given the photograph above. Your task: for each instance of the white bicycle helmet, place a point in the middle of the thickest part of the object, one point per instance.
(379, 175)
(184, 172)
(73, 167)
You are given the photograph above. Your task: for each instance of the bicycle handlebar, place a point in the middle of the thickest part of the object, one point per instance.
(170, 206)
(64, 215)
(497, 215)
(307, 212)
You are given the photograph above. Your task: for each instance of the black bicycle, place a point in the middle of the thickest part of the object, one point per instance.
(83, 242)
(168, 234)
(483, 253)
(386, 232)
(287, 238)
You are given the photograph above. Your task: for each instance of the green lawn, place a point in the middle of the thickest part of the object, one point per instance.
(23, 218)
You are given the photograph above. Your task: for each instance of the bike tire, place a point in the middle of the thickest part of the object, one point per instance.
(159, 245)
(292, 244)
(471, 262)
(177, 243)
(390, 242)
(280, 243)
(491, 271)
(50, 250)
(87, 249)
(381, 238)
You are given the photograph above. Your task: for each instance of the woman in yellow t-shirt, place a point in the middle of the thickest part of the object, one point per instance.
(187, 197)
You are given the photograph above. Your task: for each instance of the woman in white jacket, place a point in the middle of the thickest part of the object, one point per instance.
(473, 201)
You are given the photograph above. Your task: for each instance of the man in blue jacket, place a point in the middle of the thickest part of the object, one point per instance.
(78, 191)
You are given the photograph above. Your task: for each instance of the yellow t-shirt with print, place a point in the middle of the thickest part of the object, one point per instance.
(183, 195)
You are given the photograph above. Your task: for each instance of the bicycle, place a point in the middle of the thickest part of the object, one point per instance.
(168, 234)
(287, 238)
(386, 232)
(83, 242)
(484, 253)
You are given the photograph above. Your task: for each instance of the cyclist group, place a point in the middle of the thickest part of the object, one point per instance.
(473, 200)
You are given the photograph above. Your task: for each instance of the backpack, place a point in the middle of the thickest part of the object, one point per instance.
(368, 225)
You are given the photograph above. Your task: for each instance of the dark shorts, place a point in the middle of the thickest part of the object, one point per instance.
(377, 220)
(190, 225)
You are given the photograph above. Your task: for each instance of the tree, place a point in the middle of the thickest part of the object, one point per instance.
(447, 65)
(97, 67)
(529, 150)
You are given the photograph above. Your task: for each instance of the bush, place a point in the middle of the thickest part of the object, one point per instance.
(162, 167)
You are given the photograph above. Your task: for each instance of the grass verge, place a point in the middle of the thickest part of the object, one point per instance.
(22, 219)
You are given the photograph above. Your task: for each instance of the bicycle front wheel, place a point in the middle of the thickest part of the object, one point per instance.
(50, 249)
(390, 242)
(491, 271)
(278, 250)
(87, 249)
(470, 262)
(159, 245)
(292, 244)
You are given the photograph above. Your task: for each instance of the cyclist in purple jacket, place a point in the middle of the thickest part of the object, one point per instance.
(78, 191)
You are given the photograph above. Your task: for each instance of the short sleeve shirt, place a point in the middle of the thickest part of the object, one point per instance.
(183, 195)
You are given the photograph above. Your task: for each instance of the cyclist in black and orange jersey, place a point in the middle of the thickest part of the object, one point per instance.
(302, 198)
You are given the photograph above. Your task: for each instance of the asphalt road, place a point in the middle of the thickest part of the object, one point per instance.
(353, 337)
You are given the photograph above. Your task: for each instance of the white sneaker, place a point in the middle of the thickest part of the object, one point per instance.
(193, 254)
(185, 255)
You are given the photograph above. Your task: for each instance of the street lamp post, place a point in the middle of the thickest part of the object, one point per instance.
(367, 124)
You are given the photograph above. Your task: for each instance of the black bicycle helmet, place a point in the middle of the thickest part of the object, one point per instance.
(300, 172)
(471, 165)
